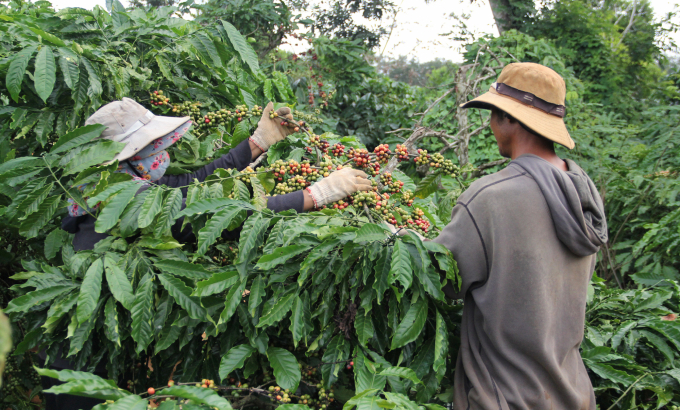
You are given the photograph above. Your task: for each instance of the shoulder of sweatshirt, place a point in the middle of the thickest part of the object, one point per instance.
(509, 180)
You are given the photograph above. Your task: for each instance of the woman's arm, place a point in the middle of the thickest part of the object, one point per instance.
(239, 157)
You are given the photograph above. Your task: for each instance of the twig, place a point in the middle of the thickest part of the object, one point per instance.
(66, 190)
(628, 389)
(368, 213)
(258, 160)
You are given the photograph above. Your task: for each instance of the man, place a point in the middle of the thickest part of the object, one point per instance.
(525, 240)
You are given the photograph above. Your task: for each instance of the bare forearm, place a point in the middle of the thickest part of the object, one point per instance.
(254, 149)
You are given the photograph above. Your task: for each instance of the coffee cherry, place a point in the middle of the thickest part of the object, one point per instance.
(151, 391)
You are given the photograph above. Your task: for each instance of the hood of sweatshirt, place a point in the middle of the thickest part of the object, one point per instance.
(575, 204)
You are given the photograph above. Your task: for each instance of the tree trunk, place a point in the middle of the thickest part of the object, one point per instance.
(462, 90)
(501, 13)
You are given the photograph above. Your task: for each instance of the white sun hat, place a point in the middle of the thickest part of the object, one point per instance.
(129, 122)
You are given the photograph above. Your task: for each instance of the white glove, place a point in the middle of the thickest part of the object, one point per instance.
(269, 130)
(338, 185)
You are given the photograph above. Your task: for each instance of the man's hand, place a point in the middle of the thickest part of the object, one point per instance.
(269, 130)
(338, 185)
(403, 231)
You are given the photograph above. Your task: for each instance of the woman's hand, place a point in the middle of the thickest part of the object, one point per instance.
(269, 130)
(338, 185)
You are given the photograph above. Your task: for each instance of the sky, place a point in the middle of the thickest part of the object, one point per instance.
(419, 25)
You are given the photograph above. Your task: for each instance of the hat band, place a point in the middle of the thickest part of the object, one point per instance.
(530, 99)
(135, 127)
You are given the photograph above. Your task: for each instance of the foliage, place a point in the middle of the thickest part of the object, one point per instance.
(612, 62)
(5, 342)
(264, 22)
(360, 101)
(335, 19)
(631, 345)
(636, 166)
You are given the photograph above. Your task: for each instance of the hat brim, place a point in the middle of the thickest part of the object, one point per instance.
(156, 128)
(547, 125)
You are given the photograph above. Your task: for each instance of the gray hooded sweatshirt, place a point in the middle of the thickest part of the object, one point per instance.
(525, 240)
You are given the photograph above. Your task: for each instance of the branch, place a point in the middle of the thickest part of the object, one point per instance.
(437, 101)
(630, 24)
(492, 164)
(258, 160)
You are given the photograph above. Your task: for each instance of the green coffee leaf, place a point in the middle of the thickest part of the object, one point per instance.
(199, 395)
(411, 325)
(286, 370)
(234, 359)
(182, 295)
(217, 283)
(151, 207)
(118, 283)
(16, 71)
(171, 206)
(184, 269)
(45, 74)
(278, 311)
(142, 314)
(90, 290)
(400, 267)
(280, 256)
(242, 47)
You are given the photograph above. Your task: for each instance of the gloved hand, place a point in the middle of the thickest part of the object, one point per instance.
(338, 185)
(403, 231)
(269, 130)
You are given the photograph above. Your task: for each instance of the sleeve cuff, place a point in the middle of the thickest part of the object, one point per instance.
(311, 194)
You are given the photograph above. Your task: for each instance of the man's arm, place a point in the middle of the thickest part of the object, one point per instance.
(463, 238)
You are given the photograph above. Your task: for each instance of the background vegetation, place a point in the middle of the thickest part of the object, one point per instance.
(354, 337)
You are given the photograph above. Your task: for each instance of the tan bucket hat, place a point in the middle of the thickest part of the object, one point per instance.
(534, 95)
(129, 122)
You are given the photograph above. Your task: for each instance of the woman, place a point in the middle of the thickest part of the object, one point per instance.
(146, 137)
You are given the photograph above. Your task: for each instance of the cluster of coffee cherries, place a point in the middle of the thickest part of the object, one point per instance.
(327, 396)
(370, 198)
(315, 141)
(282, 395)
(417, 222)
(12, 385)
(447, 166)
(392, 217)
(227, 253)
(245, 175)
(407, 197)
(389, 184)
(382, 153)
(206, 383)
(402, 153)
(157, 98)
(307, 118)
(423, 157)
(360, 157)
(292, 175)
(188, 108)
(338, 150)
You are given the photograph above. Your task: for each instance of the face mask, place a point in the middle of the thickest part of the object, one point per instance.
(148, 165)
